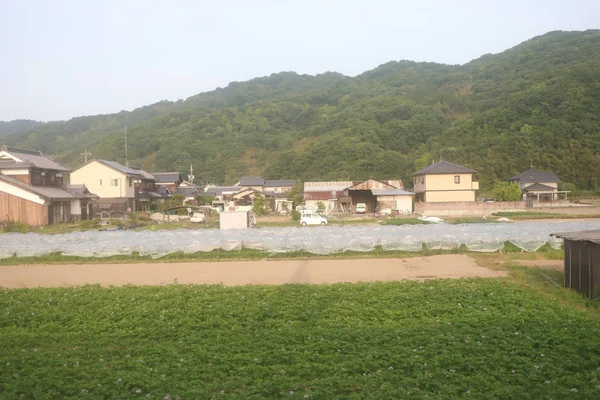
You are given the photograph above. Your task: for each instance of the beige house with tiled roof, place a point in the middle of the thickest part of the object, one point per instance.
(445, 182)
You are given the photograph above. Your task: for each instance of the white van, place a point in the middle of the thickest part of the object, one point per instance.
(361, 208)
(312, 219)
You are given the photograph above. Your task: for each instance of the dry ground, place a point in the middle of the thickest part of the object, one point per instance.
(246, 272)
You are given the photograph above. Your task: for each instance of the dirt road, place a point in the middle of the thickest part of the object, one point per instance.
(245, 272)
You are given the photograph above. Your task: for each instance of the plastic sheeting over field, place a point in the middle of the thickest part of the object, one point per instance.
(491, 237)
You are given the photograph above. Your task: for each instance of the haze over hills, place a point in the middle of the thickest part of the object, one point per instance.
(17, 126)
(537, 103)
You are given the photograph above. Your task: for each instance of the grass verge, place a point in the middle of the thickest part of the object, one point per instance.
(542, 215)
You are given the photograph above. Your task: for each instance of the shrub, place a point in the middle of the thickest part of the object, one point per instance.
(144, 217)
(16, 227)
(296, 215)
(114, 221)
(504, 191)
(89, 223)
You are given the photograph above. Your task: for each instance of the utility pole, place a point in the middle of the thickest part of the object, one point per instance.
(85, 154)
(126, 159)
(191, 175)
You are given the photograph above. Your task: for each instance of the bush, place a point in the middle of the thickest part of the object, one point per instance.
(296, 215)
(89, 223)
(144, 217)
(16, 227)
(114, 221)
(504, 191)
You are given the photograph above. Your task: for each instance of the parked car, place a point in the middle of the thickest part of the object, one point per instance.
(361, 208)
(198, 217)
(312, 219)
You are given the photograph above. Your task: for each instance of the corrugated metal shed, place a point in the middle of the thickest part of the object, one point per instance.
(326, 186)
(582, 261)
(391, 192)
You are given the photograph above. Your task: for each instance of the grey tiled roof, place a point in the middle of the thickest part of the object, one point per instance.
(444, 167)
(166, 177)
(532, 175)
(121, 168)
(538, 187)
(252, 181)
(80, 191)
(34, 158)
(280, 183)
(217, 190)
(187, 191)
(52, 193)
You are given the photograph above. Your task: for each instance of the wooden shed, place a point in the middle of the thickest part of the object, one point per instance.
(582, 261)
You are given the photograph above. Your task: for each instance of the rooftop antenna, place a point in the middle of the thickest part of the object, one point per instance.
(85, 154)
(126, 159)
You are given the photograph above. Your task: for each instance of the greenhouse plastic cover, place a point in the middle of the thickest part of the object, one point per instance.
(489, 237)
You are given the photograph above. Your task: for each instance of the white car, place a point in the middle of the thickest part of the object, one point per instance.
(361, 208)
(198, 217)
(312, 219)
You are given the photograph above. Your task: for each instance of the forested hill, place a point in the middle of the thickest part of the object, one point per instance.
(535, 104)
(16, 126)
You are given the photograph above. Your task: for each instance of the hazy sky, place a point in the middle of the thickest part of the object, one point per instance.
(65, 58)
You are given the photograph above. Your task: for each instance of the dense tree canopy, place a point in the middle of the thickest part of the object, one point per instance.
(535, 104)
(17, 126)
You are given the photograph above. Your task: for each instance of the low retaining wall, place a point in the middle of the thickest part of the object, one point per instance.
(468, 208)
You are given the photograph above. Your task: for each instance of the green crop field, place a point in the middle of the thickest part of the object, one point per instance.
(441, 339)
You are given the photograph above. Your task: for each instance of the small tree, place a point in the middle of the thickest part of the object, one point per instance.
(504, 191)
(320, 206)
(177, 200)
(205, 199)
(260, 205)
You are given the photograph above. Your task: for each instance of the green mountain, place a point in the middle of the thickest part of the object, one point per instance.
(17, 126)
(535, 104)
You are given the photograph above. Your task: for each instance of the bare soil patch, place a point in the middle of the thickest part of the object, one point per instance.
(246, 272)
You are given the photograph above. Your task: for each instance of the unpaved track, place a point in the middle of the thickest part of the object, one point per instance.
(245, 272)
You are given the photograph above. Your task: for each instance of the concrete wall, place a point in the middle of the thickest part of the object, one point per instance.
(449, 196)
(97, 178)
(329, 204)
(400, 203)
(76, 208)
(234, 220)
(468, 208)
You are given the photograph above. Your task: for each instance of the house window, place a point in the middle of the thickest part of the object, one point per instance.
(422, 180)
(114, 182)
(100, 181)
(37, 178)
(456, 178)
(129, 181)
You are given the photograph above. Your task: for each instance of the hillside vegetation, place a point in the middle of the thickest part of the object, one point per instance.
(535, 104)
(17, 126)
